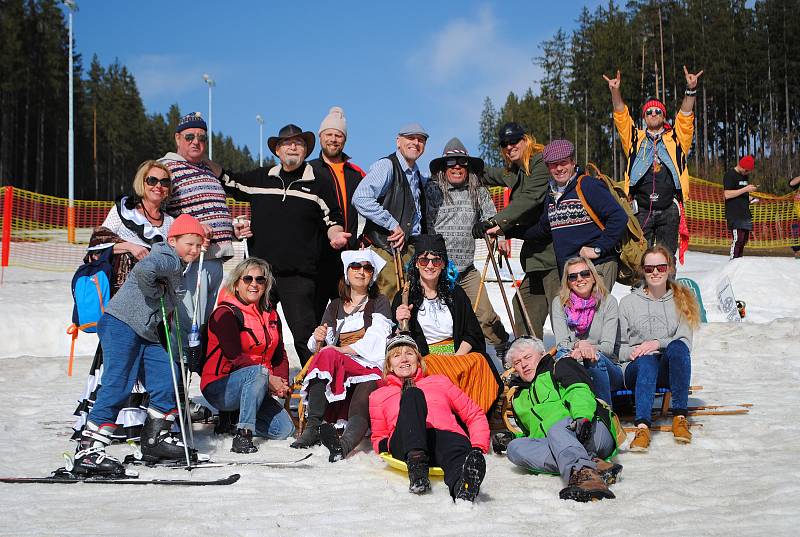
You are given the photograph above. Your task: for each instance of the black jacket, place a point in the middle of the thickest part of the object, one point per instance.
(290, 215)
(344, 199)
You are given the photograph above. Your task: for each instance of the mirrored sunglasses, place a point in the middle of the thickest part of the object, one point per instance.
(437, 262)
(460, 161)
(661, 267)
(653, 111)
(365, 266)
(200, 137)
(153, 181)
(260, 280)
(573, 276)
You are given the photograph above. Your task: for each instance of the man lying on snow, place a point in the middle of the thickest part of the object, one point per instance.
(565, 430)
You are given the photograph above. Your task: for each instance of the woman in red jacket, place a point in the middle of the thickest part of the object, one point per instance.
(247, 363)
(414, 417)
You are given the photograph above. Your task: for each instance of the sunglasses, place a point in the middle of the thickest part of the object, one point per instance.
(460, 161)
(437, 262)
(661, 267)
(573, 276)
(200, 137)
(153, 181)
(653, 112)
(260, 280)
(509, 143)
(366, 267)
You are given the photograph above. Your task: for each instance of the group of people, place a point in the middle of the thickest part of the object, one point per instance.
(391, 325)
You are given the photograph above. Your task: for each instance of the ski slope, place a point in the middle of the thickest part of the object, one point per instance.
(740, 475)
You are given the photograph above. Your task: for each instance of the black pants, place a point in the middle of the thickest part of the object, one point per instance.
(444, 448)
(740, 238)
(661, 226)
(296, 295)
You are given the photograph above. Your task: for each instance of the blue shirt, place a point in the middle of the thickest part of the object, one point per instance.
(376, 183)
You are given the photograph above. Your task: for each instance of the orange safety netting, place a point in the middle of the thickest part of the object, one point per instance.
(35, 230)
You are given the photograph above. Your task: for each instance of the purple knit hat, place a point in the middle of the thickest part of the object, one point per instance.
(558, 150)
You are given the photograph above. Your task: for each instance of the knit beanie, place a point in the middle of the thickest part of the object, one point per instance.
(191, 121)
(655, 103)
(186, 224)
(334, 120)
(747, 162)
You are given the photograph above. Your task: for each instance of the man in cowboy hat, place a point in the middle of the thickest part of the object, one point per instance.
(456, 202)
(290, 208)
(392, 199)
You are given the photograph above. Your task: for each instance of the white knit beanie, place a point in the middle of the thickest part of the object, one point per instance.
(334, 120)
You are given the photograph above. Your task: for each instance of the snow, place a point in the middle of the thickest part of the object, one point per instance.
(739, 476)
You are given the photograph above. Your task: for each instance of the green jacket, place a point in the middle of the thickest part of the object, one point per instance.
(525, 208)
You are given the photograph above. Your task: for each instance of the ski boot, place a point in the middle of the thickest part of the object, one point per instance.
(158, 445)
(90, 456)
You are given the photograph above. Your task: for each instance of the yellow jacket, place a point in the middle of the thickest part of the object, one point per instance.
(677, 140)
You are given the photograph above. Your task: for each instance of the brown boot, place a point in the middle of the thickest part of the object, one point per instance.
(680, 430)
(641, 442)
(585, 485)
(607, 470)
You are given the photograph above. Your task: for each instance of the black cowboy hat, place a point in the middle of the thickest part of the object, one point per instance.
(456, 150)
(290, 131)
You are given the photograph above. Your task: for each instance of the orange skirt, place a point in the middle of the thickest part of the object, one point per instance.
(471, 373)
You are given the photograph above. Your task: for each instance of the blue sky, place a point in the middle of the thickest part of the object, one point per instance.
(386, 64)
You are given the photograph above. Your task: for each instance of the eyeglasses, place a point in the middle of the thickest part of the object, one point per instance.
(153, 181)
(296, 142)
(509, 143)
(366, 267)
(460, 161)
(437, 262)
(202, 138)
(661, 267)
(260, 280)
(573, 276)
(653, 111)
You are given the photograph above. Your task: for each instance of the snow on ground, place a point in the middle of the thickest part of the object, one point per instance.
(738, 477)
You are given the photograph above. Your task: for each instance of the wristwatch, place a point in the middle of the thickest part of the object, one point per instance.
(598, 252)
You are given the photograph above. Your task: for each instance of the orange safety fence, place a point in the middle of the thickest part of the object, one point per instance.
(36, 233)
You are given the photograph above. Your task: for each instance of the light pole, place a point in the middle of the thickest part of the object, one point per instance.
(72, 7)
(260, 121)
(211, 84)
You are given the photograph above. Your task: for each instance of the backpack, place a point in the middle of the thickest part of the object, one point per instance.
(632, 244)
(91, 290)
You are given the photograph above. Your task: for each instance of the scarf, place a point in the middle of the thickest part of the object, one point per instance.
(580, 312)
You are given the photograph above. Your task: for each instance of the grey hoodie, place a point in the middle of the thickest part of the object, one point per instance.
(604, 331)
(137, 303)
(642, 318)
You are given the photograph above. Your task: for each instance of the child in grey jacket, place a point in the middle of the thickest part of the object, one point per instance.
(128, 333)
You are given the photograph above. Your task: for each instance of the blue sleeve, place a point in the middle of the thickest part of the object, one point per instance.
(372, 186)
(609, 211)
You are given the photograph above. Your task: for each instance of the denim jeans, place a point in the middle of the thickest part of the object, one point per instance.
(672, 368)
(126, 358)
(605, 374)
(248, 390)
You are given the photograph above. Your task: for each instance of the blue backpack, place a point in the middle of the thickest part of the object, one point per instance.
(91, 289)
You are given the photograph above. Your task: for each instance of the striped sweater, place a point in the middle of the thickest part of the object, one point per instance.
(196, 191)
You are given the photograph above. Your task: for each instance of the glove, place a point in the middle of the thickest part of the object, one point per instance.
(582, 428)
(479, 229)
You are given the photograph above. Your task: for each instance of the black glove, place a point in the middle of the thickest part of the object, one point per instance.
(479, 229)
(582, 428)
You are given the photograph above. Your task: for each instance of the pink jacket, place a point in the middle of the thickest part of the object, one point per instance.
(443, 399)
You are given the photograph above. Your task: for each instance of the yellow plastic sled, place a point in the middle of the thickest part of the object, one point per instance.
(401, 466)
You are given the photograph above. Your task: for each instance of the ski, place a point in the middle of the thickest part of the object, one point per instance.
(62, 476)
(132, 460)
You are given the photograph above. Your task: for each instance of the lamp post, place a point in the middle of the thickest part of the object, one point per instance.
(72, 7)
(211, 84)
(260, 121)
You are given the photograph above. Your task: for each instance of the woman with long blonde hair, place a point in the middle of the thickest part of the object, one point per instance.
(656, 323)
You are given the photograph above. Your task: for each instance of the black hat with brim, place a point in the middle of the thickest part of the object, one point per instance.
(455, 150)
(511, 132)
(291, 131)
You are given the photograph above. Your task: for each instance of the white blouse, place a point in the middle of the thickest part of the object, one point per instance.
(435, 320)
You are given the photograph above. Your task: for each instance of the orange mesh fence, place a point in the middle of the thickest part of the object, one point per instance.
(35, 226)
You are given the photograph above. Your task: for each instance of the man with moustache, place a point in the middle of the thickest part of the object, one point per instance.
(392, 199)
(335, 167)
(292, 213)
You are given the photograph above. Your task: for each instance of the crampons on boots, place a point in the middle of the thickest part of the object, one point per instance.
(243, 442)
(472, 473)
(90, 457)
(160, 446)
(585, 485)
(418, 467)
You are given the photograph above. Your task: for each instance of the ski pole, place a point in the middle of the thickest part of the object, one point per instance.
(490, 247)
(482, 284)
(194, 334)
(521, 304)
(175, 381)
(184, 383)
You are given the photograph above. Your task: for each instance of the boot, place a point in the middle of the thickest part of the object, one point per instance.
(641, 440)
(330, 439)
(317, 403)
(608, 470)
(90, 457)
(472, 473)
(157, 444)
(418, 480)
(243, 442)
(501, 440)
(585, 484)
(680, 430)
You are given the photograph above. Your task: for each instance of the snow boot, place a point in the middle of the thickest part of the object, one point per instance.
(157, 444)
(330, 439)
(501, 440)
(585, 485)
(243, 442)
(472, 473)
(317, 404)
(90, 456)
(417, 464)
(608, 470)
